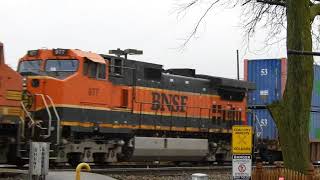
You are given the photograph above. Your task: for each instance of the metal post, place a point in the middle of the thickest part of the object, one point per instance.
(238, 65)
(39, 160)
(81, 166)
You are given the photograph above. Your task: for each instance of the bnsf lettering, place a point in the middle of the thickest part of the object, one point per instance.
(175, 103)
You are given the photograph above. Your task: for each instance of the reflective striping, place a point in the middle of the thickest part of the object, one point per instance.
(124, 110)
(13, 95)
(118, 120)
(146, 127)
(11, 111)
(106, 125)
(134, 112)
(75, 106)
(5, 121)
(73, 123)
(192, 129)
(122, 126)
(178, 129)
(149, 127)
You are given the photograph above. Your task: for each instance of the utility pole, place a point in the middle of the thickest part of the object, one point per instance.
(238, 65)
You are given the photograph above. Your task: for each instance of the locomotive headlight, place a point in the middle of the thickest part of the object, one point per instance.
(24, 83)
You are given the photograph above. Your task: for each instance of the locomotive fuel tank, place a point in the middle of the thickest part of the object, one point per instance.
(170, 149)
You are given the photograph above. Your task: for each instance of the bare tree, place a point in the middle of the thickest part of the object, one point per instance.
(292, 112)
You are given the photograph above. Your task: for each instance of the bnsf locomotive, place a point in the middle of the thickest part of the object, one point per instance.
(102, 108)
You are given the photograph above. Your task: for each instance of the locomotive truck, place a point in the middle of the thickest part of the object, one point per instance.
(102, 108)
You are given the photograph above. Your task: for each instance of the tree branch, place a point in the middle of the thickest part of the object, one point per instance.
(273, 2)
(314, 11)
(199, 22)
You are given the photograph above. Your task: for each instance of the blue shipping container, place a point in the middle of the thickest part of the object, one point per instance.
(316, 88)
(265, 128)
(270, 77)
(266, 73)
(314, 126)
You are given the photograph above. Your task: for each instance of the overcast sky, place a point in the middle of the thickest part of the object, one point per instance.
(150, 25)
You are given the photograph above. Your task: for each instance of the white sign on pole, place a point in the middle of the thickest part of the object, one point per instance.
(241, 167)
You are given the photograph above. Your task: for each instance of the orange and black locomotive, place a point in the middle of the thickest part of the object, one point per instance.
(102, 108)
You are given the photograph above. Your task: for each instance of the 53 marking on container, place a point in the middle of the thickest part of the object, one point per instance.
(264, 72)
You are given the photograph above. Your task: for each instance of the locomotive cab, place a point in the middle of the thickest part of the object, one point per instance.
(58, 63)
(53, 78)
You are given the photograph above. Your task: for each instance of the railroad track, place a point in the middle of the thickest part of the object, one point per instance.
(125, 170)
(115, 169)
(162, 170)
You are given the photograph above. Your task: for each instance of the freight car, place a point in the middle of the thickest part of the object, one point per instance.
(270, 76)
(101, 108)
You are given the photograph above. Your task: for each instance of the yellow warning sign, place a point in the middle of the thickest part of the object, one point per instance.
(241, 139)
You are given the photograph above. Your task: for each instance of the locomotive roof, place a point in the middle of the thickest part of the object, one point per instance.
(141, 66)
(189, 73)
(92, 56)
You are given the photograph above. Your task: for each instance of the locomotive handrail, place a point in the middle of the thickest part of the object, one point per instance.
(58, 118)
(22, 126)
(49, 114)
(27, 113)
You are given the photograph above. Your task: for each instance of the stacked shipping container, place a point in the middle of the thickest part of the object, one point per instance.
(270, 77)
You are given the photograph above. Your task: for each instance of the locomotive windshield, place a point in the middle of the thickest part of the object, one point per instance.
(61, 68)
(61, 65)
(30, 67)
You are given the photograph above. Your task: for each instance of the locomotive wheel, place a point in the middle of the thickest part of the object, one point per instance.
(74, 159)
(220, 158)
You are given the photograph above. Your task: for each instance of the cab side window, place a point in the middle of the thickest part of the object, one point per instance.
(94, 70)
(101, 71)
